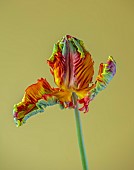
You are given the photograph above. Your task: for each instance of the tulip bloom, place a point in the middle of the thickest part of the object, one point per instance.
(72, 68)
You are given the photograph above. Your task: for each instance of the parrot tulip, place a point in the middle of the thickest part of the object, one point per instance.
(72, 68)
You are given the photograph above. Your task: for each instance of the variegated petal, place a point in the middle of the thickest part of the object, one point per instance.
(71, 64)
(105, 75)
(36, 98)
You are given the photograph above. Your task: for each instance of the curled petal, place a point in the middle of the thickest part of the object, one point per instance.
(71, 65)
(105, 75)
(37, 97)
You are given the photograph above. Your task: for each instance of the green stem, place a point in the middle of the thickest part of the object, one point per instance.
(79, 134)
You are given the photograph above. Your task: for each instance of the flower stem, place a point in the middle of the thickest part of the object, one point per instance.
(79, 134)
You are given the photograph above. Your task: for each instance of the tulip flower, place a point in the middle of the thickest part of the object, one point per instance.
(72, 68)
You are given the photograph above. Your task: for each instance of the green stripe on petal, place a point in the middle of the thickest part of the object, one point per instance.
(36, 97)
(105, 75)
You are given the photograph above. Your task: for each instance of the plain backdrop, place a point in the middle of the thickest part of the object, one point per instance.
(48, 141)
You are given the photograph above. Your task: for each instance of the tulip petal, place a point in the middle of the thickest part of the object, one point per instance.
(71, 65)
(37, 97)
(105, 75)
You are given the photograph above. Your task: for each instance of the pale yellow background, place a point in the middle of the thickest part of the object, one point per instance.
(28, 30)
